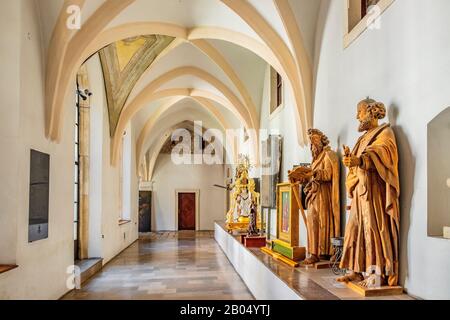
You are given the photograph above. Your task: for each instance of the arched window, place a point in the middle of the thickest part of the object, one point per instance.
(361, 15)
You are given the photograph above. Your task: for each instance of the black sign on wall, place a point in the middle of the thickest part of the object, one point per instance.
(39, 196)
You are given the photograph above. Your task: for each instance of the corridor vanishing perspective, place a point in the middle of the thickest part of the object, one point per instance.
(224, 150)
(182, 265)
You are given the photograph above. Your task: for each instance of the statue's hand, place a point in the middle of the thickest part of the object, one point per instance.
(351, 161)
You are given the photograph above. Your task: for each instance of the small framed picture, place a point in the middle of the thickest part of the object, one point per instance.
(287, 214)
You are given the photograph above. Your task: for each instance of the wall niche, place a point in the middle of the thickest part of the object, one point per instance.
(439, 174)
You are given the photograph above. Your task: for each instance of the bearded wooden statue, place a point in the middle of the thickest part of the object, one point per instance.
(371, 242)
(321, 185)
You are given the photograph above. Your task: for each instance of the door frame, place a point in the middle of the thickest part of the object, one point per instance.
(197, 206)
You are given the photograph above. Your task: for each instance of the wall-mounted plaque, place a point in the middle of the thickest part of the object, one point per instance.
(39, 196)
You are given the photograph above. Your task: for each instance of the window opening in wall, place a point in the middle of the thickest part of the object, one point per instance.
(76, 196)
(357, 10)
(276, 90)
(125, 178)
(361, 15)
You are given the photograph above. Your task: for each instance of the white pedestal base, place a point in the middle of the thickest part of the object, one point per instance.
(262, 282)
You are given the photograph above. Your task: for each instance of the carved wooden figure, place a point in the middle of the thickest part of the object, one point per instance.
(321, 183)
(371, 242)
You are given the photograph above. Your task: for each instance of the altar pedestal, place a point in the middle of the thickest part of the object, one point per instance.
(254, 242)
(286, 253)
(237, 226)
(375, 292)
(323, 265)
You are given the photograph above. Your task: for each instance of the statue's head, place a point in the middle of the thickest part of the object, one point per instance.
(318, 141)
(369, 112)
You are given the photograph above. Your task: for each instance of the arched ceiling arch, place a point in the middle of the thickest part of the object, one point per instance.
(248, 117)
(290, 65)
(119, 19)
(204, 98)
(187, 13)
(156, 116)
(202, 48)
(163, 132)
(193, 54)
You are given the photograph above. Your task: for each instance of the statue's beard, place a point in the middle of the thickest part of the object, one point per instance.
(316, 150)
(365, 125)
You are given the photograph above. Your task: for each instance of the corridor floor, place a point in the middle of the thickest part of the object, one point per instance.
(167, 266)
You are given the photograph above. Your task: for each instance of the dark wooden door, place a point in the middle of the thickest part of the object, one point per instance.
(145, 211)
(186, 211)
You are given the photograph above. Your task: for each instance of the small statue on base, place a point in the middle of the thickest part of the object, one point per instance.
(252, 229)
(371, 243)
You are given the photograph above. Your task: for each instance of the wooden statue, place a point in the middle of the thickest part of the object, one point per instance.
(371, 242)
(321, 185)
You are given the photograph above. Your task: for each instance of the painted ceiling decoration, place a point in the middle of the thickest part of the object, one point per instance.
(190, 127)
(123, 63)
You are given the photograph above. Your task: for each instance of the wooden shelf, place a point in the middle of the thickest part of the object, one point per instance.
(7, 267)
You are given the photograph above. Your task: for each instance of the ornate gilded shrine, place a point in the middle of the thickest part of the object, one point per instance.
(243, 197)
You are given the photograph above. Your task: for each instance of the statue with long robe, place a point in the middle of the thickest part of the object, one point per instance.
(321, 183)
(371, 242)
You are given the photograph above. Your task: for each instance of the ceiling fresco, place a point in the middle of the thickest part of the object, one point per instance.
(123, 63)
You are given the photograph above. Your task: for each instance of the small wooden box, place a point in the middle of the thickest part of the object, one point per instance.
(254, 242)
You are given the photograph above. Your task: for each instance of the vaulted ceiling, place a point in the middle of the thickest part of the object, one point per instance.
(156, 53)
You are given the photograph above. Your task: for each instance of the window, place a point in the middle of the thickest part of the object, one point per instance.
(279, 90)
(276, 90)
(361, 15)
(76, 174)
(125, 177)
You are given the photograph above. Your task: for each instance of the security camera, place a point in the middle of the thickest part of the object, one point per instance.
(84, 94)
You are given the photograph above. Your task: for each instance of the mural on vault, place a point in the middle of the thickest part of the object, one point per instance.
(123, 63)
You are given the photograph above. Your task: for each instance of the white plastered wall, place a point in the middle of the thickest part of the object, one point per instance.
(106, 196)
(404, 64)
(169, 177)
(42, 265)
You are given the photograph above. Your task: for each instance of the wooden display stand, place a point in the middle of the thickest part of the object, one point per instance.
(322, 265)
(254, 242)
(236, 226)
(285, 248)
(240, 226)
(375, 292)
